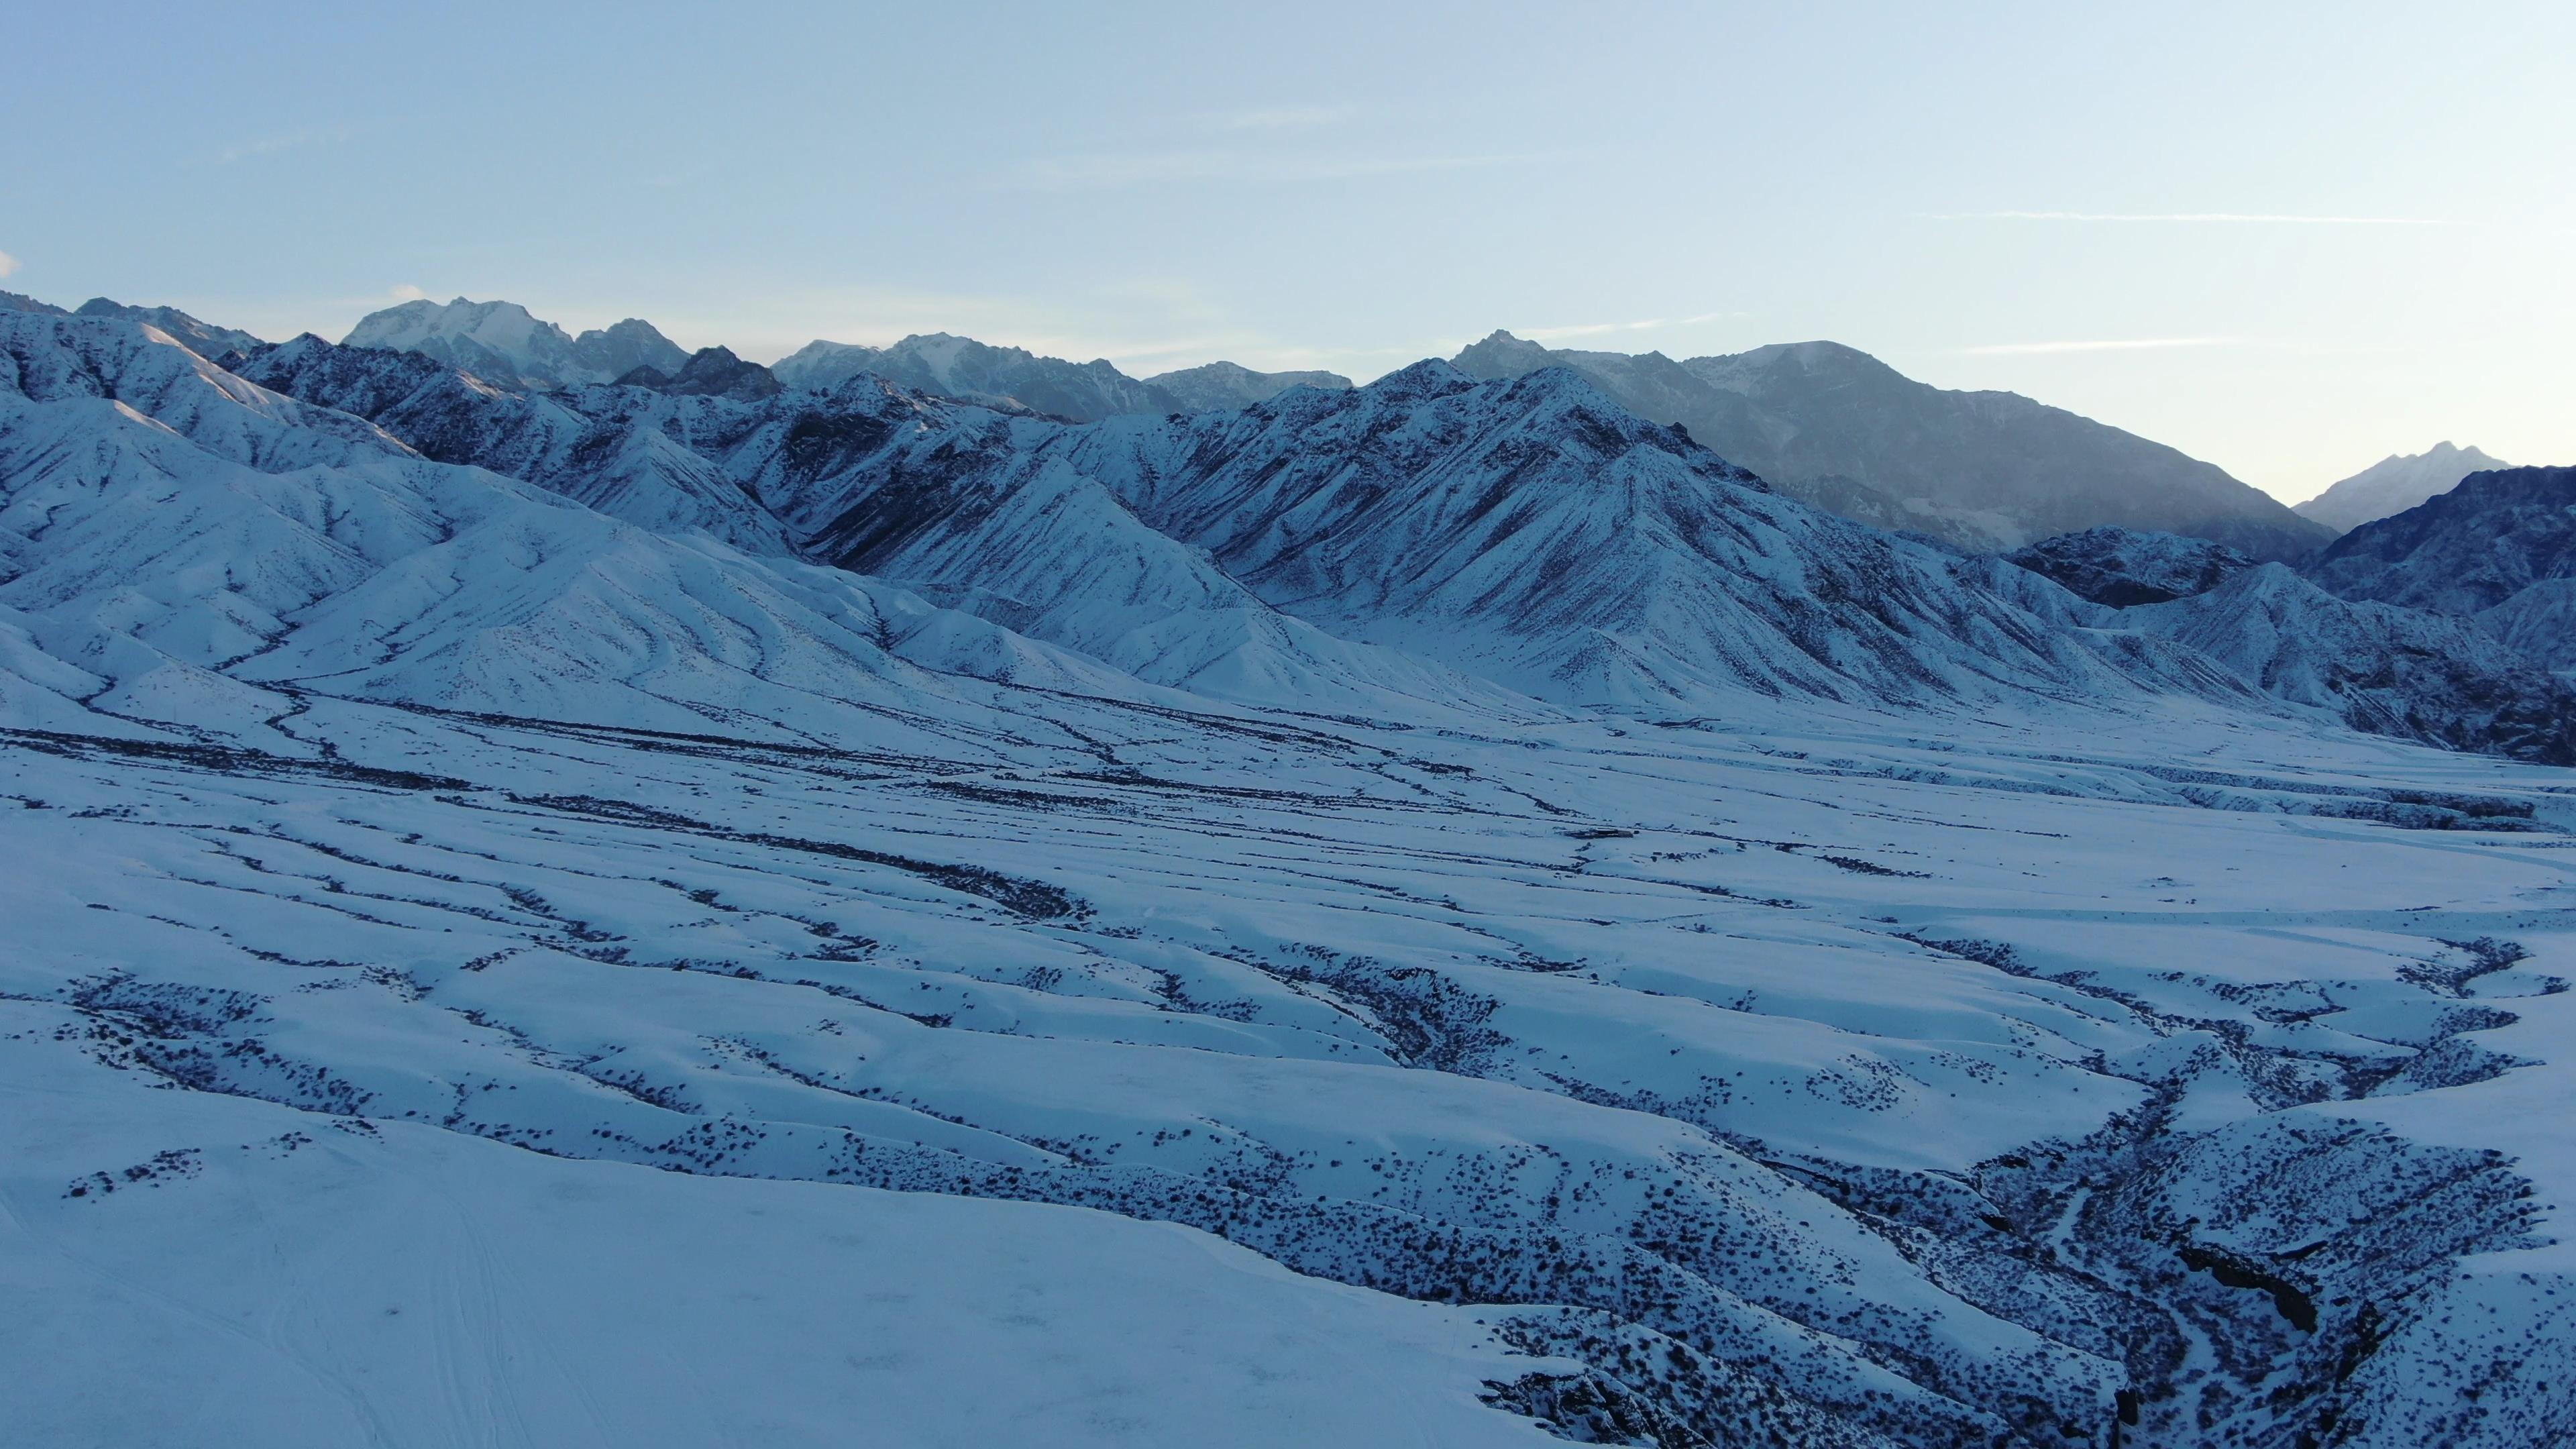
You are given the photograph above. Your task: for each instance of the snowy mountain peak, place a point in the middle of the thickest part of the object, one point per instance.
(2394, 484)
(1500, 354)
(1428, 378)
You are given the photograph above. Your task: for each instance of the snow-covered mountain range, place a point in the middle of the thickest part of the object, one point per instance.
(2394, 484)
(624, 909)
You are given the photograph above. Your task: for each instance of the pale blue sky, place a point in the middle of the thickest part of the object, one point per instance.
(2287, 239)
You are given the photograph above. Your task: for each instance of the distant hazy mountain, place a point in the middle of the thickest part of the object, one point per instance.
(1839, 429)
(21, 302)
(1017, 380)
(2499, 548)
(500, 342)
(1228, 385)
(2395, 484)
(824, 365)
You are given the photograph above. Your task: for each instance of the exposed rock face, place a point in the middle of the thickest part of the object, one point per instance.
(2395, 484)
(2122, 566)
(1984, 470)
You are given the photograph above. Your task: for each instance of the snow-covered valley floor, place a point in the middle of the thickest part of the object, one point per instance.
(1127, 1075)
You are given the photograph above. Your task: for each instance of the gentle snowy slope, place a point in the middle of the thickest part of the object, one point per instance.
(2395, 484)
(1831, 1089)
(403, 1285)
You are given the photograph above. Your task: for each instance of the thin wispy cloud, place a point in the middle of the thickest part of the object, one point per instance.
(2113, 344)
(1103, 170)
(406, 292)
(1596, 329)
(1284, 118)
(290, 141)
(2255, 218)
(8, 264)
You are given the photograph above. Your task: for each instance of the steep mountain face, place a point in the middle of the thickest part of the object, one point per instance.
(1984, 470)
(500, 342)
(2500, 548)
(2395, 484)
(2382, 669)
(1226, 386)
(2121, 566)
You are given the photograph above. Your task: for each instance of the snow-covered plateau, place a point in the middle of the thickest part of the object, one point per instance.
(1436, 913)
